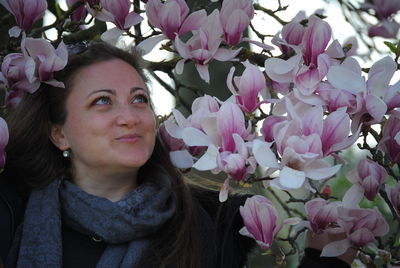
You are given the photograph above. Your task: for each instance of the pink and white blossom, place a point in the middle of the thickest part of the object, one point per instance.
(117, 12)
(390, 140)
(249, 85)
(235, 17)
(17, 73)
(393, 194)
(4, 135)
(172, 17)
(261, 220)
(320, 214)
(292, 34)
(79, 13)
(370, 176)
(361, 226)
(204, 46)
(47, 60)
(26, 13)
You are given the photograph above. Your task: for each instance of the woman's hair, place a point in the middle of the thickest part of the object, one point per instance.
(33, 161)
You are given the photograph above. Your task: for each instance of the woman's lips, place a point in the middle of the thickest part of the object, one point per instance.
(129, 138)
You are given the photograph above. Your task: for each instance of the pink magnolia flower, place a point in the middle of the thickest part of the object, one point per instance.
(370, 176)
(260, 220)
(336, 98)
(383, 8)
(316, 64)
(47, 60)
(235, 18)
(172, 17)
(320, 214)
(79, 13)
(117, 12)
(390, 142)
(237, 165)
(373, 93)
(204, 46)
(394, 196)
(310, 64)
(268, 126)
(249, 85)
(4, 135)
(171, 143)
(292, 34)
(304, 140)
(17, 73)
(230, 120)
(26, 13)
(361, 226)
(386, 29)
(178, 127)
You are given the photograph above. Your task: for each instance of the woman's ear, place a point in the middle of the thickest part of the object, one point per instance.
(58, 137)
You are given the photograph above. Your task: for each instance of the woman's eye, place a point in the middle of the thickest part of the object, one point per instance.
(140, 99)
(102, 101)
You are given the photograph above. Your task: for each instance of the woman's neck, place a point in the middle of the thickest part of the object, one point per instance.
(114, 186)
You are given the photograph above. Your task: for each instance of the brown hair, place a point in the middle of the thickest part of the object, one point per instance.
(33, 161)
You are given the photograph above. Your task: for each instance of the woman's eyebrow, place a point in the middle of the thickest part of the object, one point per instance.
(134, 89)
(110, 91)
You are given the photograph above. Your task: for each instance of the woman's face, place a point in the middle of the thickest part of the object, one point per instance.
(110, 126)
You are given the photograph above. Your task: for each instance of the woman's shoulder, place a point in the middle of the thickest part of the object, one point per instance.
(11, 211)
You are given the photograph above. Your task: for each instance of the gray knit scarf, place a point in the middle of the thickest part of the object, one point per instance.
(123, 225)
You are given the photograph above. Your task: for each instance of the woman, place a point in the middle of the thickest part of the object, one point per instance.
(103, 192)
(95, 141)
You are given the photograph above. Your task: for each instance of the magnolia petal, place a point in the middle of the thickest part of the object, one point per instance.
(240, 145)
(181, 159)
(335, 248)
(193, 21)
(4, 134)
(376, 107)
(292, 221)
(379, 76)
(280, 70)
(148, 44)
(14, 32)
(55, 83)
(335, 50)
(353, 196)
(132, 19)
(182, 48)
(195, 137)
(264, 155)
(397, 138)
(203, 72)
(209, 160)
(179, 118)
(173, 129)
(257, 43)
(224, 54)
(291, 178)
(346, 79)
(322, 173)
(111, 36)
(179, 66)
(223, 193)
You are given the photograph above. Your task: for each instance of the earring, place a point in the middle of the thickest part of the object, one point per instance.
(66, 153)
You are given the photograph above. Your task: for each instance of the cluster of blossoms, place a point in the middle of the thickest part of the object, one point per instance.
(320, 103)
(323, 104)
(385, 11)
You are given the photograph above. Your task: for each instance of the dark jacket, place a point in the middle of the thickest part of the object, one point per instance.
(11, 210)
(231, 248)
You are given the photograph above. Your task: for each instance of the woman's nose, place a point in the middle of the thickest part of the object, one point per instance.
(126, 116)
